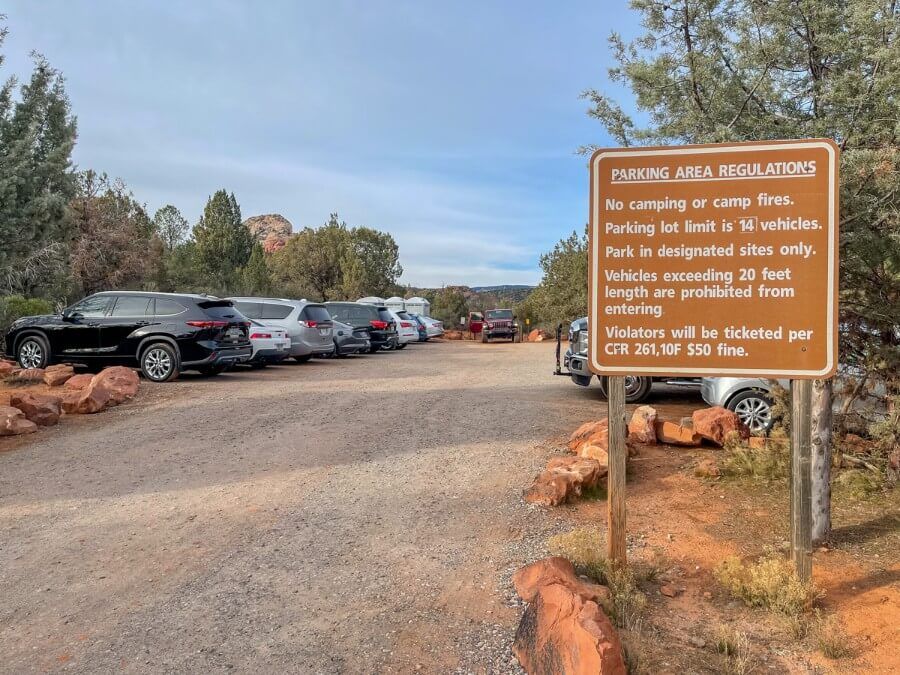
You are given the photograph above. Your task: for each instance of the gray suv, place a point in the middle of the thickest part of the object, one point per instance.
(308, 324)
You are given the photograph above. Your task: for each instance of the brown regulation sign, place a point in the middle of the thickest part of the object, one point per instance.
(715, 260)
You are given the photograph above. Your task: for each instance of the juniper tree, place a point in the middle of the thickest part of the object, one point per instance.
(733, 70)
(222, 243)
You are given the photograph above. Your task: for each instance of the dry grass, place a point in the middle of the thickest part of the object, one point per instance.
(830, 637)
(584, 547)
(770, 583)
(859, 484)
(735, 647)
(771, 462)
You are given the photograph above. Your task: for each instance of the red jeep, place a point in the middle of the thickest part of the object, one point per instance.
(476, 323)
(499, 323)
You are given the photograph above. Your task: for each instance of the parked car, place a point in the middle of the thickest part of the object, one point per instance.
(499, 323)
(434, 327)
(575, 361)
(270, 344)
(374, 319)
(749, 397)
(421, 327)
(406, 328)
(349, 340)
(308, 324)
(162, 333)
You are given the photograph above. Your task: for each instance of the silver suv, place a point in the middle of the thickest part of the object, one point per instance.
(308, 324)
(749, 397)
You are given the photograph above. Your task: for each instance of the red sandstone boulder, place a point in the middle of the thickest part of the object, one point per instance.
(42, 409)
(676, 434)
(92, 399)
(29, 375)
(564, 479)
(715, 424)
(8, 368)
(121, 383)
(79, 382)
(561, 633)
(557, 570)
(57, 375)
(13, 422)
(641, 428)
(585, 431)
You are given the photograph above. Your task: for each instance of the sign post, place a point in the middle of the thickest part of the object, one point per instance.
(715, 260)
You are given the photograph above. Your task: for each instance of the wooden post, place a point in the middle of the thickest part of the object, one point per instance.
(615, 537)
(801, 502)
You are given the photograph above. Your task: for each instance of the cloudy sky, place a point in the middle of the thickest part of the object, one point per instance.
(452, 125)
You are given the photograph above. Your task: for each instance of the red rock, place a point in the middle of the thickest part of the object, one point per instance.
(7, 368)
(557, 570)
(714, 424)
(562, 634)
(57, 375)
(42, 409)
(856, 445)
(30, 375)
(670, 433)
(564, 479)
(585, 431)
(92, 399)
(79, 382)
(13, 422)
(642, 427)
(707, 468)
(668, 590)
(121, 383)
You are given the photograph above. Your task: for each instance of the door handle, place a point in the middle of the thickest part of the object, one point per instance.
(143, 323)
(92, 324)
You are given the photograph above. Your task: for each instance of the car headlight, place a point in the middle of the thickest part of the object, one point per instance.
(580, 344)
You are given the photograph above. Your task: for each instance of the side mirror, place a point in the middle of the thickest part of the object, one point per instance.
(70, 315)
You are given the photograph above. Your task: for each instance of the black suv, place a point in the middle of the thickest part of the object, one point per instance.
(377, 321)
(162, 332)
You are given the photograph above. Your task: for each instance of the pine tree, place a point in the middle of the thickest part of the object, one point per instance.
(170, 226)
(256, 277)
(37, 135)
(223, 244)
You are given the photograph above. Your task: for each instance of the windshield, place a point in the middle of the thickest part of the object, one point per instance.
(499, 314)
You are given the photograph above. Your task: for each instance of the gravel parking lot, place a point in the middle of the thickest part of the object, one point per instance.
(346, 516)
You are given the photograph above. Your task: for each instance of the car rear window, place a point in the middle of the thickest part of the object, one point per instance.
(131, 305)
(403, 315)
(252, 310)
(385, 314)
(273, 311)
(352, 313)
(168, 307)
(315, 313)
(223, 309)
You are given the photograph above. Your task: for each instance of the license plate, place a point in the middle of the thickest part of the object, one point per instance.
(323, 331)
(234, 333)
(279, 346)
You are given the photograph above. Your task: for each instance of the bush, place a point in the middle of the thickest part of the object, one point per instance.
(13, 307)
(770, 583)
(771, 462)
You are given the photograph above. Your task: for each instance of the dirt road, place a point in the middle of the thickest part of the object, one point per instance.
(351, 516)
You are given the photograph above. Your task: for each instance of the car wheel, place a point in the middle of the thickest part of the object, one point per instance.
(303, 359)
(33, 352)
(755, 410)
(636, 388)
(403, 346)
(159, 362)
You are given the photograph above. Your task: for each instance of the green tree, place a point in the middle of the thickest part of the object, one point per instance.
(371, 264)
(171, 226)
(256, 277)
(313, 260)
(114, 245)
(222, 243)
(37, 135)
(449, 305)
(732, 70)
(562, 294)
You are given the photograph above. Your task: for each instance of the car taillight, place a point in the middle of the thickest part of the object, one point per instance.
(261, 336)
(406, 324)
(308, 324)
(378, 325)
(207, 324)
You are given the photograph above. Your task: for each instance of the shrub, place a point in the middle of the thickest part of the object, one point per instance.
(735, 647)
(13, 307)
(830, 637)
(859, 483)
(584, 547)
(769, 583)
(771, 462)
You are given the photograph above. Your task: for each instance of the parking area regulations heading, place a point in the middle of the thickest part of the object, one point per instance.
(714, 260)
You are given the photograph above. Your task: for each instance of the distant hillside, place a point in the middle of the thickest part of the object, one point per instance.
(480, 298)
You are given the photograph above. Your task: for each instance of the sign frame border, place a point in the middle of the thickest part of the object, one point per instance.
(595, 197)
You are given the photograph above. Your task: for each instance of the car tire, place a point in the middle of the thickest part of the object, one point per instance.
(754, 407)
(160, 362)
(303, 359)
(637, 388)
(33, 352)
(403, 346)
